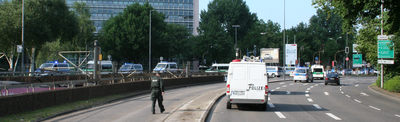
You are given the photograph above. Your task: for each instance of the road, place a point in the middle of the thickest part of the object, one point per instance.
(314, 102)
(138, 108)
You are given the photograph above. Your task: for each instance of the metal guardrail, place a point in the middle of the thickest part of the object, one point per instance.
(112, 78)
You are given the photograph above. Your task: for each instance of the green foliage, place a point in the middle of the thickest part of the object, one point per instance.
(85, 25)
(393, 84)
(49, 51)
(216, 31)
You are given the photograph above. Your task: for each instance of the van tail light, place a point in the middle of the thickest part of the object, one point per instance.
(326, 78)
(228, 88)
(266, 89)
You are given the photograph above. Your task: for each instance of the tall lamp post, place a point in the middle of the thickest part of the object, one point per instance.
(22, 38)
(284, 34)
(235, 26)
(150, 41)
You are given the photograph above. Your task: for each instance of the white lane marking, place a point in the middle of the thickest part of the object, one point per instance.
(317, 106)
(284, 86)
(308, 88)
(342, 92)
(316, 84)
(272, 90)
(307, 91)
(364, 94)
(271, 105)
(340, 87)
(333, 116)
(269, 99)
(278, 87)
(310, 100)
(326, 93)
(291, 84)
(397, 115)
(281, 83)
(287, 92)
(375, 108)
(280, 115)
(357, 101)
(305, 84)
(307, 95)
(312, 87)
(347, 96)
(356, 85)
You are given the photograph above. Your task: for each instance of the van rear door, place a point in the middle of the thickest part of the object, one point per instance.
(238, 80)
(256, 81)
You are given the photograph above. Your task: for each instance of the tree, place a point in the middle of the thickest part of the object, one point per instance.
(217, 32)
(125, 36)
(86, 27)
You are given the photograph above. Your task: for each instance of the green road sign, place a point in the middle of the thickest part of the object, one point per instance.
(385, 49)
(357, 60)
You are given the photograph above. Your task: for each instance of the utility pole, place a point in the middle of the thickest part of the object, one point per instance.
(382, 34)
(23, 45)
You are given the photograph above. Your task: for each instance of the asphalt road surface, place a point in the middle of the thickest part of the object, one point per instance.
(138, 109)
(352, 101)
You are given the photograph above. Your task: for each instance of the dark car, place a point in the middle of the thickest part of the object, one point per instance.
(332, 77)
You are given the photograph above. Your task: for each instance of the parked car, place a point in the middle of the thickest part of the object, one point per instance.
(165, 66)
(52, 68)
(131, 68)
(332, 77)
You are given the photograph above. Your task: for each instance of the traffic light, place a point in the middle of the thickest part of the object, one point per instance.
(346, 50)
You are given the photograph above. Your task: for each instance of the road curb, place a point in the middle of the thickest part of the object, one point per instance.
(212, 105)
(384, 93)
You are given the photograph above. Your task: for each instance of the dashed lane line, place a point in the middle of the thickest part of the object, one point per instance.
(280, 115)
(375, 108)
(282, 83)
(271, 105)
(333, 116)
(307, 91)
(307, 95)
(357, 101)
(305, 84)
(284, 86)
(397, 115)
(269, 99)
(287, 92)
(342, 92)
(362, 93)
(291, 84)
(356, 85)
(347, 96)
(317, 106)
(326, 93)
(278, 87)
(310, 100)
(308, 88)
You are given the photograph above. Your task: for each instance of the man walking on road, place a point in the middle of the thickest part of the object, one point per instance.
(157, 92)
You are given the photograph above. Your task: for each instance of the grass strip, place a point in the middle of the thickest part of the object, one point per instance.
(39, 114)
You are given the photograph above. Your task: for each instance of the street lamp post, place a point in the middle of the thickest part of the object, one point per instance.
(150, 41)
(284, 34)
(235, 26)
(22, 38)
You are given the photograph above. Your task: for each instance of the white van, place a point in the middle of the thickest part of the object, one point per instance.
(164, 67)
(218, 68)
(274, 71)
(247, 83)
(318, 71)
(106, 67)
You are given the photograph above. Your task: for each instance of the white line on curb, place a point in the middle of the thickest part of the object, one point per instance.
(347, 96)
(326, 93)
(333, 116)
(271, 105)
(397, 115)
(287, 92)
(280, 115)
(375, 108)
(317, 106)
(310, 100)
(357, 100)
(307, 95)
(364, 94)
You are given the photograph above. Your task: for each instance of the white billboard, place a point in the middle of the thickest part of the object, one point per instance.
(270, 55)
(291, 54)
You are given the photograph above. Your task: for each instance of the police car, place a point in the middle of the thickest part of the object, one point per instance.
(165, 66)
(302, 74)
(247, 83)
(53, 68)
(131, 68)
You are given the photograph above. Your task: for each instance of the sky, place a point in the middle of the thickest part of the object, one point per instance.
(296, 10)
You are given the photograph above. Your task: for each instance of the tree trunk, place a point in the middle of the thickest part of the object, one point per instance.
(32, 66)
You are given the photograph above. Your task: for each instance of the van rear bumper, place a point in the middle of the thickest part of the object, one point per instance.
(249, 101)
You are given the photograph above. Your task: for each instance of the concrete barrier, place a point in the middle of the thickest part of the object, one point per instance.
(33, 101)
